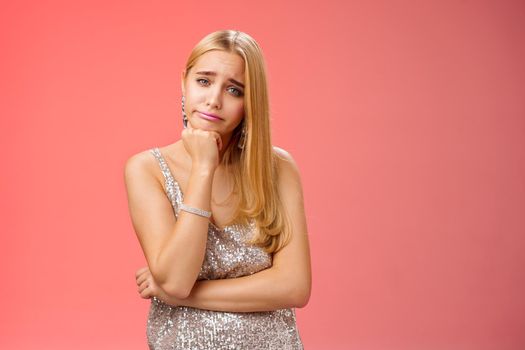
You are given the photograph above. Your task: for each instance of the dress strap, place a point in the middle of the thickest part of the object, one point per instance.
(162, 163)
(172, 187)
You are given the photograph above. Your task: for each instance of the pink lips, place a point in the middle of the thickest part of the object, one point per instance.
(209, 116)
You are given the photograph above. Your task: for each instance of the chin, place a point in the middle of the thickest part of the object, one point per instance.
(205, 126)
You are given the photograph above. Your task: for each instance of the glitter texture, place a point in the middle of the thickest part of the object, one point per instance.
(227, 256)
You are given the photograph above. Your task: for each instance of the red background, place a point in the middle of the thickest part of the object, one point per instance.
(407, 119)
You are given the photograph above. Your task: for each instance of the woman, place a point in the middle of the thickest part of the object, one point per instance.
(219, 214)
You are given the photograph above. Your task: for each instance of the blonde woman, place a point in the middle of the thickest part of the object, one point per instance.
(219, 213)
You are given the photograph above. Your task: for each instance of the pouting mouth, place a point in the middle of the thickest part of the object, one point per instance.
(210, 115)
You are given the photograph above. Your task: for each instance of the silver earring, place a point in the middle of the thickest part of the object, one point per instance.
(184, 117)
(242, 139)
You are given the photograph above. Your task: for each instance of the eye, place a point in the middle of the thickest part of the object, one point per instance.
(201, 79)
(237, 92)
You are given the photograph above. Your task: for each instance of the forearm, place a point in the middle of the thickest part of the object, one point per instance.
(181, 258)
(262, 291)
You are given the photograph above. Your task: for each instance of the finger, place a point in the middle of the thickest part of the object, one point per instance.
(218, 139)
(220, 142)
(142, 286)
(141, 271)
(142, 278)
(145, 293)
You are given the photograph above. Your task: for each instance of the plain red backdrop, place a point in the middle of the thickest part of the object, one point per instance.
(407, 119)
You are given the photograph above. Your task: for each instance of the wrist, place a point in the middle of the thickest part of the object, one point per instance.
(202, 169)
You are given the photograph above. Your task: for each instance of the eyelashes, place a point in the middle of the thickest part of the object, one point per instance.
(201, 79)
(236, 92)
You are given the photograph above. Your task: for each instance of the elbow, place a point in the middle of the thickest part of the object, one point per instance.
(176, 290)
(171, 288)
(300, 297)
(301, 301)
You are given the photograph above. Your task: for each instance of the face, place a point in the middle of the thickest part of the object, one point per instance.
(213, 90)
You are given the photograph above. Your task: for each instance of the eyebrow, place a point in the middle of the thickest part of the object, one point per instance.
(214, 74)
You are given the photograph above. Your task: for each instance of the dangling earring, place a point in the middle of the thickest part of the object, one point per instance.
(242, 139)
(184, 117)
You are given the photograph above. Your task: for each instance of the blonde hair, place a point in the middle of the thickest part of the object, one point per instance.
(254, 168)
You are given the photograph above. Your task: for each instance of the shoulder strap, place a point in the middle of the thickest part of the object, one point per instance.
(162, 163)
(172, 187)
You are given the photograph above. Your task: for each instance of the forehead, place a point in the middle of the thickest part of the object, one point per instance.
(230, 65)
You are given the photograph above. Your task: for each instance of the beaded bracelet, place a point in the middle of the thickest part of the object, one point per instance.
(197, 211)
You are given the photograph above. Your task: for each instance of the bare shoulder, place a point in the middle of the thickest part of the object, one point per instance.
(285, 158)
(139, 162)
(140, 167)
(288, 169)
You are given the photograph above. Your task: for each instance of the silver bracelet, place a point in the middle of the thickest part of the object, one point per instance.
(197, 211)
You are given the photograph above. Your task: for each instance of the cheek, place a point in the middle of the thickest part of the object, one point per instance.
(239, 110)
(194, 96)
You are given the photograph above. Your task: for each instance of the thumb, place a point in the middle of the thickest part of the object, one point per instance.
(218, 139)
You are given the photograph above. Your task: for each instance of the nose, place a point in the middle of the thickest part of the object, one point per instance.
(214, 97)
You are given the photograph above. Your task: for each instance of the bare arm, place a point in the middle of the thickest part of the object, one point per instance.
(286, 284)
(182, 254)
(266, 290)
(174, 249)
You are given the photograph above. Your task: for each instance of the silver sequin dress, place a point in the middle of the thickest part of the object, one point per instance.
(227, 256)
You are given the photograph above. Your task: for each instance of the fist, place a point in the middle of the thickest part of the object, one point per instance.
(203, 146)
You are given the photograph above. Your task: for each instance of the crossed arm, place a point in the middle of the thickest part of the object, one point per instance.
(263, 291)
(286, 284)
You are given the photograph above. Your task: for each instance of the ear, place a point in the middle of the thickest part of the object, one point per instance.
(182, 79)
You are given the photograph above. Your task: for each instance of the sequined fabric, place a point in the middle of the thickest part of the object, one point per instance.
(227, 256)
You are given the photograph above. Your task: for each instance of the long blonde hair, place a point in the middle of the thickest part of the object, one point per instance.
(254, 168)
